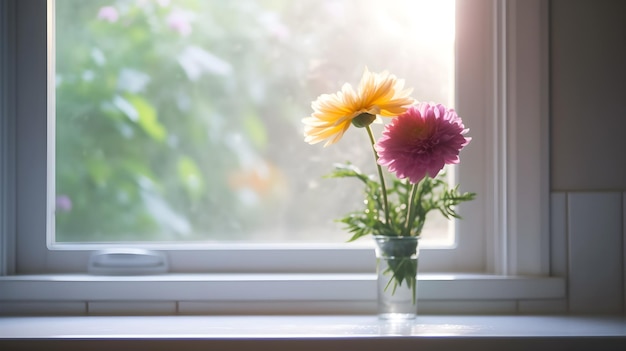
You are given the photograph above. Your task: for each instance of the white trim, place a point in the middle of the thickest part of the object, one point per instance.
(527, 137)
(50, 117)
(474, 69)
(520, 135)
(500, 234)
(36, 258)
(326, 290)
(514, 142)
(31, 107)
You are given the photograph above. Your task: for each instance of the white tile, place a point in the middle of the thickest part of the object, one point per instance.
(467, 307)
(595, 252)
(131, 307)
(557, 306)
(43, 308)
(558, 234)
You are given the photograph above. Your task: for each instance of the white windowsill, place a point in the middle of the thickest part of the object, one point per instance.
(270, 294)
(315, 332)
(271, 286)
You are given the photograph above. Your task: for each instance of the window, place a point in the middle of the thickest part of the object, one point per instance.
(506, 219)
(180, 122)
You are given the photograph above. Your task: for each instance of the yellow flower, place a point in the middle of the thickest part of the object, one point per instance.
(377, 94)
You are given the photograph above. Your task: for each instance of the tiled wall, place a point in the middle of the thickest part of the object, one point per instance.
(588, 247)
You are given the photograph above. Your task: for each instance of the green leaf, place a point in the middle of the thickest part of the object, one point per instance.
(191, 177)
(430, 194)
(255, 130)
(99, 170)
(146, 117)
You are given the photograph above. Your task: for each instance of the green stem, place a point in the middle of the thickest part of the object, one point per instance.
(410, 216)
(380, 175)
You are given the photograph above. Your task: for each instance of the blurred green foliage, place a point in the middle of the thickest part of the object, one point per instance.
(181, 120)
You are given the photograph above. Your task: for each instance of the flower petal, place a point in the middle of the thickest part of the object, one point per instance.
(421, 141)
(377, 94)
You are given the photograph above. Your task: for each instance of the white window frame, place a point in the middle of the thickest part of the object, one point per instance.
(509, 166)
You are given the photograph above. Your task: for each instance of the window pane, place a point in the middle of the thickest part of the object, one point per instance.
(181, 120)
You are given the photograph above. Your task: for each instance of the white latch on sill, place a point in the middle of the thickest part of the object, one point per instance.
(127, 262)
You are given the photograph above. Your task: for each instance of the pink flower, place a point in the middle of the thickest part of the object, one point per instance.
(63, 203)
(179, 22)
(108, 13)
(421, 141)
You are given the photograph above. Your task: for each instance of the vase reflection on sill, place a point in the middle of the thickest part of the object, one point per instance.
(397, 327)
(396, 269)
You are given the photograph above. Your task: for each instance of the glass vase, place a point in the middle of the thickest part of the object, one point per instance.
(396, 269)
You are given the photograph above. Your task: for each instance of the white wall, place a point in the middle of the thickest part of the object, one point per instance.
(588, 94)
(588, 151)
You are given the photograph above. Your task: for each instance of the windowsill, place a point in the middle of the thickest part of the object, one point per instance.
(313, 332)
(319, 294)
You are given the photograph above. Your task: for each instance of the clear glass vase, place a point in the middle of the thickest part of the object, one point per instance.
(396, 268)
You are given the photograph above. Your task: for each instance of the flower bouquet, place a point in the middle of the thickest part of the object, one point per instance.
(419, 141)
